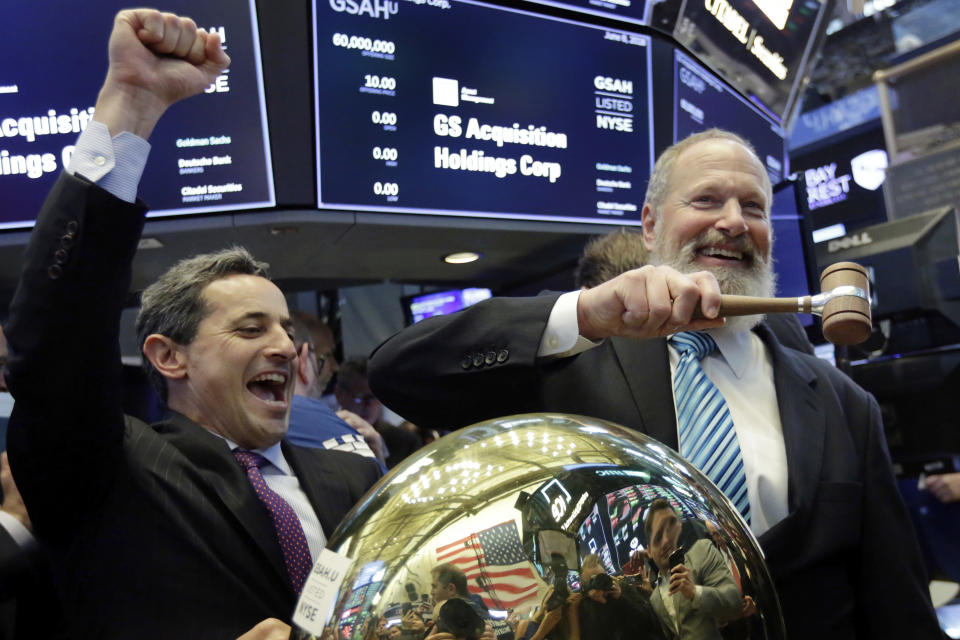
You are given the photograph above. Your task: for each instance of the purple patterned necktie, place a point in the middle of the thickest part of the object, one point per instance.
(296, 553)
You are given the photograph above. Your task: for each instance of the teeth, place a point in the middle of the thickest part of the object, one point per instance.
(723, 253)
(271, 377)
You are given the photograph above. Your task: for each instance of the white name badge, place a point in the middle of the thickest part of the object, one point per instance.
(320, 591)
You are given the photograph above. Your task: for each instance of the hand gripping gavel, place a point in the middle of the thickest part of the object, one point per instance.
(844, 304)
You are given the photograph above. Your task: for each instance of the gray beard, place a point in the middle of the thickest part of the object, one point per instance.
(757, 279)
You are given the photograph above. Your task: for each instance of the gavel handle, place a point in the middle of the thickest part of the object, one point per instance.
(731, 305)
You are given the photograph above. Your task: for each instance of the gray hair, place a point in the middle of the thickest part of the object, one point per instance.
(174, 306)
(660, 176)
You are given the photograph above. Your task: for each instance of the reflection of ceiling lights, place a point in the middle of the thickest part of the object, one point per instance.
(461, 257)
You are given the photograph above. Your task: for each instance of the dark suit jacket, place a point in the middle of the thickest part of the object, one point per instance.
(29, 606)
(844, 561)
(156, 529)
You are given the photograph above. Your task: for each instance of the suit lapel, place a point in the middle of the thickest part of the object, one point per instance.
(213, 461)
(312, 476)
(646, 367)
(804, 429)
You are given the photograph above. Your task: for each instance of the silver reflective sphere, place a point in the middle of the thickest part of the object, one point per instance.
(561, 521)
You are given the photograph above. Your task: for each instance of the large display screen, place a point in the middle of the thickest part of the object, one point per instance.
(760, 46)
(209, 153)
(702, 101)
(614, 528)
(459, 108)
(627, 10)
(438, 303)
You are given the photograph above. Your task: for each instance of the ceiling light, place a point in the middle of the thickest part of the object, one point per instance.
(461, 257)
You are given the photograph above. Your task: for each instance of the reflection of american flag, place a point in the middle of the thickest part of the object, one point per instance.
(496, 557)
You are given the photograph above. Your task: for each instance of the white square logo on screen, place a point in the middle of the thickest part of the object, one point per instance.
(446, 92)
(870, 168)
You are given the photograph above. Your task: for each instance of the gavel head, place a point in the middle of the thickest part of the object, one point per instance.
(846, 319)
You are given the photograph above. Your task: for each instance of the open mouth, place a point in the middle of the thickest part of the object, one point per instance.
(270, 387)
(724, 256)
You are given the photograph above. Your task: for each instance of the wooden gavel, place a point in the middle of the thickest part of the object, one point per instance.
(844, 305)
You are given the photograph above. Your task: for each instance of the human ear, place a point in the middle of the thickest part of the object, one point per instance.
(166, 356)
(649, 220)
(303, 363)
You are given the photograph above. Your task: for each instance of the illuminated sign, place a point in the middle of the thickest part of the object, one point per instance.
(777, 12)
(870, 168)
(758, 46)
(826, 185)
(743, 31)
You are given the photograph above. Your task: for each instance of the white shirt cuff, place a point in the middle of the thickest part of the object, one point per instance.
(114, 164)
(562, 338)
(20, 534)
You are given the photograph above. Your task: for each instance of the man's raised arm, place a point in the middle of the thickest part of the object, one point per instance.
(156, 59)
(66, 430)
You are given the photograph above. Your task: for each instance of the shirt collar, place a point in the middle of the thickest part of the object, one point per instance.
(273, 454)
(734, 346)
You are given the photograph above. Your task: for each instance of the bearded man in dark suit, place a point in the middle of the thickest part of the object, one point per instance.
(817, 479)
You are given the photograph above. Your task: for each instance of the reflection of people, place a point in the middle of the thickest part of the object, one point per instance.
(691, 598)
(160, 531)
(614, 611)
(448, 581)
(553, 620)
(456, 617)
(801, 423)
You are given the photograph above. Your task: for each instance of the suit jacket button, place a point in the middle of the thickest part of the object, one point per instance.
(72, 226)
(466, 362)
(66, 240)
(54, 271)
(478, 359)
(490, 358)
(60, 256)
(503, 355)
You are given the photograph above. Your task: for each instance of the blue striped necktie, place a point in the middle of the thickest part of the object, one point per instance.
(707, 437)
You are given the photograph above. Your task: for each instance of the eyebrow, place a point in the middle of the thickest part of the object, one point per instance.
(709, 186)
(286, 322)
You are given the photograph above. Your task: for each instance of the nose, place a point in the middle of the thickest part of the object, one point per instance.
(731, 221)
(281, 345)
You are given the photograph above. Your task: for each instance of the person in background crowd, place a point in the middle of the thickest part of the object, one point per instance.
(354, 395)
(606, 257)
(312, 422)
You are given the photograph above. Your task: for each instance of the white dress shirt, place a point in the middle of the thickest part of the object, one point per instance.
(280, 478)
